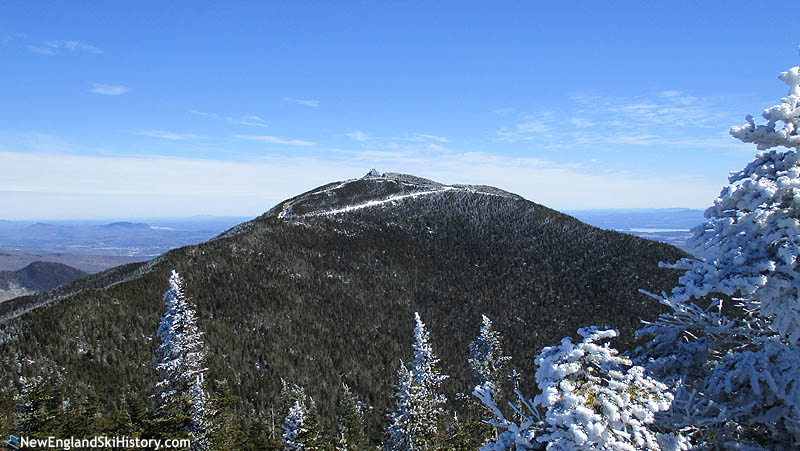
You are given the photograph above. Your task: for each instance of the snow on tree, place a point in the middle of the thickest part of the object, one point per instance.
(729, 347)
(181, 362)
(517, 435)
(487, 361)
(588, 400)
(201, 412)
(415, 421)
(301, 428)
(400, 428)
(294, 428)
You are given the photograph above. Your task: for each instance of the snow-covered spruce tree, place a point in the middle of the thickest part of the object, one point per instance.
(301, 429)
(294, 429)
(199, 425)
(489, 365)
(588, 400)
(416, 420)
(488, 362)
(180, 392)
(399, 433)
(729, 346)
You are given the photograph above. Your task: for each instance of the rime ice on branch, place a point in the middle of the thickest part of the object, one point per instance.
(415, 421)
(181, 362)
(730, 346)
(588, 400)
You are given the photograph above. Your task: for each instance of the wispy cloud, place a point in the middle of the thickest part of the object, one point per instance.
(54, 47)
(276, 140)
(41, 49)
(358, 135)
(421, 138)
(249, 120)
(8, 38)
(168, 135)
(303, 102)
(108, 90)
(667, 117)
(532, 127)
(666, 108)
(73, 46)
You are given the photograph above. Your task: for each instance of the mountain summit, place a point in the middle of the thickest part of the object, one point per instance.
(322, 289)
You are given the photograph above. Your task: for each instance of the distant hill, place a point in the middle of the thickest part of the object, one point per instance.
(120, 238)
(13, 260)
(36, 277)
(321, 290)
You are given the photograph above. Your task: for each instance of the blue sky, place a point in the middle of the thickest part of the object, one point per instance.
(143, 109)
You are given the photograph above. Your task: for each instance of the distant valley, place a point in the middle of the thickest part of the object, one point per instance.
(667, 225)
(39, 256)
(140, 240)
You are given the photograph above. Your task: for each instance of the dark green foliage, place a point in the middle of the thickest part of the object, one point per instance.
(352, 433)
(321, 300)
(466, 435)
(39, 276)
(7, 409)
(313, 437)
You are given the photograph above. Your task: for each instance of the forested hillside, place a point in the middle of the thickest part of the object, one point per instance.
(35, 277)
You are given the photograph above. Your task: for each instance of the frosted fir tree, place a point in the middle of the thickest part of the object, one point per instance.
(301, 428)
(400, 428)
(418, 414)
(200, 426)
(487, 360)
(295, 431)
(591, 398)
(729, 345)
(181, 363)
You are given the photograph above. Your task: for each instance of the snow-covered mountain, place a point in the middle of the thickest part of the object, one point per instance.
(321, 289)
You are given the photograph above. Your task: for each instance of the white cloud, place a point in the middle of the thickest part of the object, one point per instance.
(41, 50)
(525, 131)
(358, 136)
(52, 185)
(249, 120)
(168, 135)
(276, 140)
(57, 47)
(108, 90)
(303, 102)
(667, 118)
(672, 109)
(581, 122)
(421, 138)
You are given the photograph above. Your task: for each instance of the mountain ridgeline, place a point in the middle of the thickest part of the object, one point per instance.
(322, 289)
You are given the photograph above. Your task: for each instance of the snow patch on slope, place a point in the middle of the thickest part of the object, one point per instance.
(374, 203)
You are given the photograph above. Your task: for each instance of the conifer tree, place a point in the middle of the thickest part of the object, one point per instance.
(180, 394)
(301, 429)
(352, 434)
(418, 415)
(488, 362)
(588, 400)
(730, 346)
